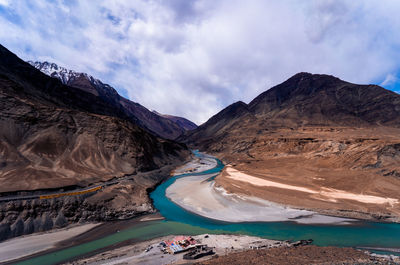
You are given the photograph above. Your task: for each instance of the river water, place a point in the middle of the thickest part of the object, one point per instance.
(179, 221)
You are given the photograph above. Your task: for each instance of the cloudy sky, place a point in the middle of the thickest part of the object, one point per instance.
(192, 58)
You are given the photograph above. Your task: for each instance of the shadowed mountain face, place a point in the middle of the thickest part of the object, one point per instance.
(166, 126)
(53, 135)
(315, 132)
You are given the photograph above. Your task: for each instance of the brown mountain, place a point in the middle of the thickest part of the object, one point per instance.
(184, 123)
(317, 132)
(307, 99)
(54, 137)
(161, 125)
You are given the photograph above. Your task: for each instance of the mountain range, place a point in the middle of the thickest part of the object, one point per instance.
(62, 130)
(166, 126)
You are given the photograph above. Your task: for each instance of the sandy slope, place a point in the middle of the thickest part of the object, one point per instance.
(331, 194)
(30, 244)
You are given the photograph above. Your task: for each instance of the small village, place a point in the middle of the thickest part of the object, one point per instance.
(196, 247)
(188, 244)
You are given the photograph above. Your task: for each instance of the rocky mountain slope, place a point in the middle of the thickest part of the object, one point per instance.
(55, 137)
(316, 132)
(166, 126)
(307, 99)
(301, 255)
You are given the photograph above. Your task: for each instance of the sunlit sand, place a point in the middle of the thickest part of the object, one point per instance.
(326, 192)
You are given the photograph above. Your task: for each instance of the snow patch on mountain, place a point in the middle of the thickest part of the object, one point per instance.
(61, 73)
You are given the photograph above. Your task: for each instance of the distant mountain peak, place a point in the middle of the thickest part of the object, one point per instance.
(63, 74)
(180, 121)
(300, 86)
(166, 126)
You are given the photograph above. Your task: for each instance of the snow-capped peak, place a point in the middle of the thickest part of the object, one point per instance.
(61, 73)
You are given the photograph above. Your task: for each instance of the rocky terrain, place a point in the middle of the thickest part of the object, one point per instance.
(314, 132)
(55, 137)
(166, 126)
(301, 255)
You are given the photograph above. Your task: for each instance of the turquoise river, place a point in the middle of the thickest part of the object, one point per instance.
(179, 221)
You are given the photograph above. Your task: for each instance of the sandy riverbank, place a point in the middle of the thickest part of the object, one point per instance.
(196, 194)
(196, 165)
(30, 244)
(76, 238)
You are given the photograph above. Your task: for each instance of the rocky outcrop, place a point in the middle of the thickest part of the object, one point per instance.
(26, 217)
(122, 200)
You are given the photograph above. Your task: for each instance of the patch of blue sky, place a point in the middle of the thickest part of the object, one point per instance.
(114, 19)
(10, 15)
(123, 92)
(109, 77)
(394, 86)
(391, 82)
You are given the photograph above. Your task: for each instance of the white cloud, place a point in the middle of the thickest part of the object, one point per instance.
(390, 80)
(4, 3)
(193, 58)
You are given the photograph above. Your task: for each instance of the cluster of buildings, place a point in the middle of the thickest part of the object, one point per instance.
(178, 244)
